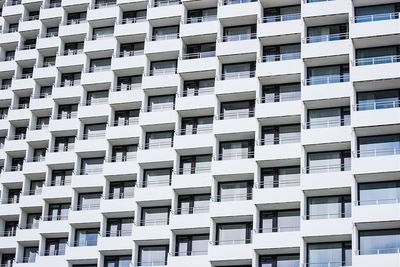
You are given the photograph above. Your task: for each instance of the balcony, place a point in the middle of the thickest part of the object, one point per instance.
(378, 210)
(236, 82)
(281, 64)
(129, 60)
(316, 225)
(96, 76)
(71, 58)
(376, 68)
(121, 166)
(164, 9)
(161, 78)
(233, 163)
(235, 122)
(323, 8)
(131, 26)
(246, 43)
(158, 151)
(326, 45)
(378, 112)
(385, 160)
(328, 79)
(195, 62)
(105, 10)
(374, 25)
(197, 138)
(281, 148)
(327, 131)
(237, 8)
(163, 44)
(279, 25)
(124, 94)
(195, 26)
(74, 27)
(283, 238)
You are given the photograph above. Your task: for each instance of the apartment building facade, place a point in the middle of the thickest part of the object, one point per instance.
(200, 133)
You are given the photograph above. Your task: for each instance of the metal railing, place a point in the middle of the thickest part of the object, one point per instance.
(161, 3)
(375, 17)
(199, 130)
(197, 92)
(327, 168)
(163, 37)
(159, 107)
(40, 158)
(32, 18)
(327, 38)
(280, 18)
(287, 182)
(232, 114)
(166, 71)
(84, 243)
(198, 55)
(189, 253)
(12, 200)
(89, 206)
(193, 170)
(328, 79)
(378, 251)
(117, 233)
(231, 242)
(89, 171)
(150, 263)
(377, 201)
(102, 36)
(124, 158)
(328, 264)
(65, 148)
(280, 140)
(125, 122)
(34, 225)
(239, 37)
(377, 104)
(127, 87)
(16, 168)
(71, 52)
(131, 53)
(92, 136)
(346, 214)
(133, 20)
(70, 83)
(278, 229)
(9, 58)
(123, 195)
(281, 57)
(30, 259)
(66, 116)
(377, 60)
(154, 222)
(49, 35)
(191, 210)
(327, 123)
(8, 233)
(238, 75)
(53, 218)
(34, 192)
(99, 68)
(52, 252)
(155, 183)
(234, 2)
(28, 47)
(159, 144)
(390, 151)
(104, 5)
(26, 76)
(234, 156)
(232, 197)
(75, 21)
(63, 182)
(95, 101)
(193, 20)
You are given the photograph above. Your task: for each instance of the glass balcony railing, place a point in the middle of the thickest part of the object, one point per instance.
(375, 17)
(377, 60)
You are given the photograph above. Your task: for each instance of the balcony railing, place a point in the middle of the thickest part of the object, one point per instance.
(117, 233)
(30, 259)
(291, 96)
(166, 71)
(89, 171)
(280, 140)
(163, 37)
(232, 242)
(99, 69)
(320, 216)
(27, 47)
(125, 122)
(328, 168)
(131, 53)
(280, 18)
(234, 156)
(232, 197)
(287, 182)
(197, 92)
(70, 83)
(377, 104)
(198, 55)
(159, 107)
(124, 158)
(102, 36)
(17, 137)
(381, 201)
(281, 57)
(193, 20)
(377, 60)
(199, 130)
(96, 101)
(328, 264)
(159, 144)
(234, 2)
(239, 37)
(327, 123)
(155, 183)
(327, 38)
(84, 243)
(104, 5)
(193, 170)
(161, 3)
(53, 218)
(52, 252)
(154, 222)
(377, 152)
(5, 87)
(89, 206)
(123, 195)
(75, 21)
(238, 75)
(63, 182)
(278, 229)
(375, 17)
(328, 79)
(378, 251)
(127, 87)
(191, 210)
(133, 20)
(32, 18)
(94, 135)
(8, 233)
(71, 52)
(150, 263)
(240, 114)
(189, 253)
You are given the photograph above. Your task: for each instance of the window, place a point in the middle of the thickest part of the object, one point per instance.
(279, 221)
(17, 164)
(281, 52)
(55, 247)
(52, 32)
(239, 33)
(198, 87)
(199, 51)
(76, 18)
(10, 228)
(13, 27)
(381, 145)
(134, 16)
(42, 123)
(61, 177)
(152, 255)
(103, 32)
(332, 161)
(163, 67)
(155, 216)
(238, 70)
(234, 233)
(280, 134)
(201, 15)
(329, 254)
(191, 245)
(88, 201)
(159, 140)
(91, 166)
(128, 83)
(86, 237)
(236, 110)
(159, 3)
(117, 261)
(327, 33)
(161, 103)
(280, 177)
(123, 153)
(30, 254)
(9, 56)
(195, 164)
(23, 102)
(328, 207)
(32, 220)
(122, 189)
(94, 131)
(119, 227)
(379, 241)
(36, 187)
(378, 100)
(70, 79)
(280, 261)
(45, 91)
(236, 150)
(6, 84)
(196, 125)
(100, 64)
(192, 204)
(58, 212)
(285, 13)
(377, 55)
(13, 196)
(96, 97)
(131, 49)
(234, 191)
(328, 117)
(7, 260)
(379, 193)
(67, 111)
(165, 33)
(281, 93)
(327, 74)
(157, 177)
(64, 144)
(73, 48)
